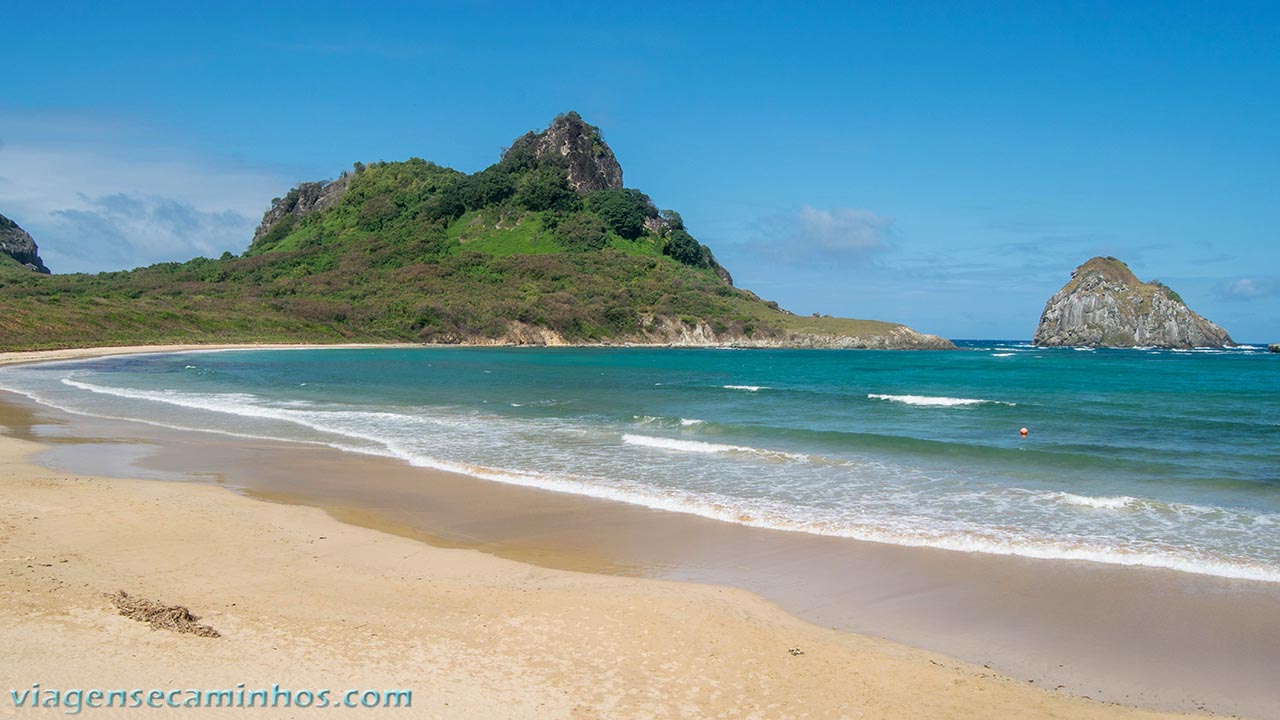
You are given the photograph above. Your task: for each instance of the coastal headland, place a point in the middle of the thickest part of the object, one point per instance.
(545, 247)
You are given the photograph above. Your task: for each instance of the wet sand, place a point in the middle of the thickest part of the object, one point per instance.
(1146, 637)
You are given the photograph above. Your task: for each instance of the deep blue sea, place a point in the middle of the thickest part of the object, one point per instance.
(1134, 457)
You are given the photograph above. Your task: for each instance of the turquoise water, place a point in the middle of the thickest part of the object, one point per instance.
(1135, 457)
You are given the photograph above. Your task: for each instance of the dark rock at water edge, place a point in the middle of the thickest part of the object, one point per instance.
(19, 245)
(1106, 305)
(1274, 348)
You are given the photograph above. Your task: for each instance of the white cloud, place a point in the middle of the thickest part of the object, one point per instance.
(1249, 288)
(841, 234)
(129, 230)
(102, 196)
(843, 230)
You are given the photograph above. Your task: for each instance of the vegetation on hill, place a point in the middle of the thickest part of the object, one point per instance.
(413, 251)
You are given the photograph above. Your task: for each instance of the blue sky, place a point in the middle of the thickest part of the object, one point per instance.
(945, 165)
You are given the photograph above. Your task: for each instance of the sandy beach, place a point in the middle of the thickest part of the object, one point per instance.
(306, 601)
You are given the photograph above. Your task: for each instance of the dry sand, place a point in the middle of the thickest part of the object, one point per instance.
(305, 601)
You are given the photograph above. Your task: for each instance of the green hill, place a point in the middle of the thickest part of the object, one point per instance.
(544, 247)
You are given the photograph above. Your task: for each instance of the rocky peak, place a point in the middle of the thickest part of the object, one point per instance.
(306, 198)
(1106, 305)
(19, 245)
(570, 139)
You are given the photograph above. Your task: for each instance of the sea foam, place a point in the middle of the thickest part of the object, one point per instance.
(698, 446)
(931, 401)
(1102, 503)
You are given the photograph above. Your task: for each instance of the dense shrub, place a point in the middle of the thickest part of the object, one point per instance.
(581, 232)
(547, 188)
(623, 211)
(682, 247)
(377, 212)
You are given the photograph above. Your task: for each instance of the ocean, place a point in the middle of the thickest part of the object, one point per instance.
(1142, 457)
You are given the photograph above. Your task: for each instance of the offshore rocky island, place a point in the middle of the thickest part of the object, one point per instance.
(545, 247)
(1106, 305)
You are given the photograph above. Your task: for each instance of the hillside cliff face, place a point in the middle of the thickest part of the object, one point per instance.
(303, 200)
(1106, 305)
(591, 163)
(19, 245)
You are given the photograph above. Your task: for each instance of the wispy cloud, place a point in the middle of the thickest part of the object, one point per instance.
(843, 235)
(1248, 288)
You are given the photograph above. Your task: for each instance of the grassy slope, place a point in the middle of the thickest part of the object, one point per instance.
(398, 274)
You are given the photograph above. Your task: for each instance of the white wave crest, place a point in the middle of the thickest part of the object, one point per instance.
(1104, 503)
(748, 388)
(931, 401)
(665, 421)
(698, 446)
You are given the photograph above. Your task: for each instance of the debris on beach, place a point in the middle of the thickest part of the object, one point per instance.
(161, 617)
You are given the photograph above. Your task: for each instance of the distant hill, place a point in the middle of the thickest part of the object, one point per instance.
(545, 247)
(1105, 304)
(17, 245)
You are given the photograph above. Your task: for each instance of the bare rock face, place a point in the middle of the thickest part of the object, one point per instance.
(592, 165)
(306, 198)
(1106, 305)
(19, 245)
(669, 331)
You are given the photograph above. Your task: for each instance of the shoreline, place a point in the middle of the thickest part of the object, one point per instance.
(306, 601)
(531, 543)
(22, 357)
(17, 357)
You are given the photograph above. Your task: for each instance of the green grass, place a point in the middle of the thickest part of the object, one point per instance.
(496, 234)
(835, 326)
(643, 246)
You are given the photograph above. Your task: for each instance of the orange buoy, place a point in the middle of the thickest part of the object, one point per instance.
(1023, 432)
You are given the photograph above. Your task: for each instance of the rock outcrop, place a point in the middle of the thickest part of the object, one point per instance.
(1274, 348)
(306, 198)
(591, 164)
(1106, 305)
(19, 245)
(667, 331)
